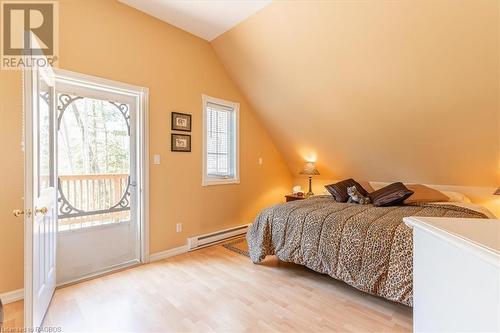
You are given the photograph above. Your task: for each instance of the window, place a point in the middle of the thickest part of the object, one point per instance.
(220, 142)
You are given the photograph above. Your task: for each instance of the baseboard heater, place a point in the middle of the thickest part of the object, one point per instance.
(198, 242)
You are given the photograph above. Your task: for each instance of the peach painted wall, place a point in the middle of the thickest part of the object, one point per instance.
(378, 90)
(12, 185)
(107, 39)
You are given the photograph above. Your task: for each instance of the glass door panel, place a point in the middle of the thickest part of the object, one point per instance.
(94, 162)
(98, 226)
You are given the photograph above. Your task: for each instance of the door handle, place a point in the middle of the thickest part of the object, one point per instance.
(43, 211)
(19, 212)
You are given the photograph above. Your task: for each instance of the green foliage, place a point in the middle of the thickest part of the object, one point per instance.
(93, 139)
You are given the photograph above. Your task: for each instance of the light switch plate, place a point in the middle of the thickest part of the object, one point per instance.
(156, 159)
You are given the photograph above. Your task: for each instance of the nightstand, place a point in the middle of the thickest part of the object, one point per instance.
(293, 197)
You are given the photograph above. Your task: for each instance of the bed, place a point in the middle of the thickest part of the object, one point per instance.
(368, 247)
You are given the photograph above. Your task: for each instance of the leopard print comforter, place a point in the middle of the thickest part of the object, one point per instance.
(368, 247)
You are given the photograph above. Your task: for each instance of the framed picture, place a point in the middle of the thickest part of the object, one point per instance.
(181, 142)
(181, 122)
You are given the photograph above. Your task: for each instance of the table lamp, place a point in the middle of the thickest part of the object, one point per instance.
(309, 170)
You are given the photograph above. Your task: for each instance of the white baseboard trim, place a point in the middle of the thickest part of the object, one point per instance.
(17, 295)
(12, 296)
(168, 253)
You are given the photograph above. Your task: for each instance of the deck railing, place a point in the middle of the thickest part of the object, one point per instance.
(93, 195)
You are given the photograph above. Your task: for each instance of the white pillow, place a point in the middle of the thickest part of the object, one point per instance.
(456, 196)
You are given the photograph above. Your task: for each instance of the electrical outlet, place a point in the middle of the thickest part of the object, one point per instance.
(178, 227)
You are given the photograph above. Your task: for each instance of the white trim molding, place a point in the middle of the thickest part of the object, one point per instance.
(12, 296)
(141, 96)
(143, 160)
(103, 84)
(168, 253)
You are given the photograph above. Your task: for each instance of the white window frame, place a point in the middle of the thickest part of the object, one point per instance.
(210, 180)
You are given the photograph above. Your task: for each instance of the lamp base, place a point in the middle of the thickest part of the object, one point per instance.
(310, 192)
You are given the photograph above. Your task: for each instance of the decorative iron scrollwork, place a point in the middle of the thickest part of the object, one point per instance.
(124, 202)
(67, 210)
(65, 100)
(125, 111)
(46, 97)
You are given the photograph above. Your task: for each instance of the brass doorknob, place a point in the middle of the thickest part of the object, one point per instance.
(18, 212)
(43, 210)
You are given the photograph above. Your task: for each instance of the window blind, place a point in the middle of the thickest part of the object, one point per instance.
(220, 141)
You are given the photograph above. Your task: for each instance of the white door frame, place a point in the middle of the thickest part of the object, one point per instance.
(142, 94)
(142, 171)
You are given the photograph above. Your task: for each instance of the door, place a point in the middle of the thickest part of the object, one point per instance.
(40, 198)
(98, 220)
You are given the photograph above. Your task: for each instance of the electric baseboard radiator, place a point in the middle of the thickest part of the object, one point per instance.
(216, 237)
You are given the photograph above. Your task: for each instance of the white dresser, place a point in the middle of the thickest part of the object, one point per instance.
(456, 274)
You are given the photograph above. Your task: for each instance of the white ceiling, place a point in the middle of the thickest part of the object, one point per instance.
(204, 18)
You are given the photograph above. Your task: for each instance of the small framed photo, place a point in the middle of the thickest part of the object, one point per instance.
(181, 122)
(181, 142)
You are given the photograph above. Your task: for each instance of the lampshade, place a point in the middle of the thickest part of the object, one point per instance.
(309, 169)
(497, 192)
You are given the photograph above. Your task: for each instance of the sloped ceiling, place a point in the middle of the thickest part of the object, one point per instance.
(380, 90)
(204, 18)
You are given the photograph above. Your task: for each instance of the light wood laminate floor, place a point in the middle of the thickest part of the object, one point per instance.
(214, 289)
